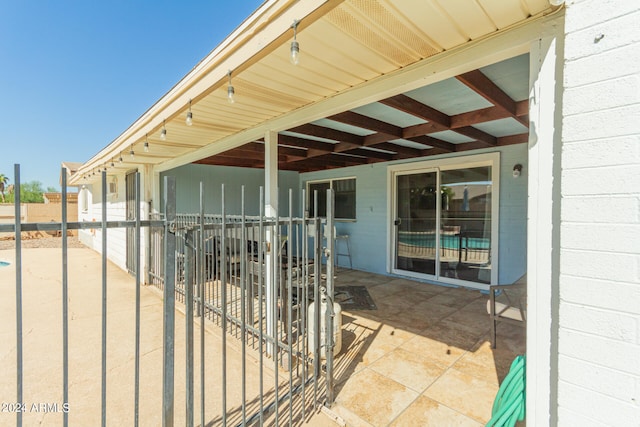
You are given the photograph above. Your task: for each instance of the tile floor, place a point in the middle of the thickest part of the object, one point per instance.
(422, 358)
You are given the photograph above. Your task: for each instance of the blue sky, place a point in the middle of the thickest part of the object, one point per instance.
(76, 74)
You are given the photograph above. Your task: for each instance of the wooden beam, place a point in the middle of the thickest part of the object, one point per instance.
(478, 116)
(239, 153)
(341, 147)
(484, 87)
(220, 161)
(365, 122)
(490, 113)
(377, 138)
(298, 153)
(326, 159)
(520, 138)
(345, 159)
(471, 132)
(328, 133)
(522, 108)
(432, 151)
(488, 90)
(421, 129)
(415, 108)
(399, 149)
(312, 152)
(434, 142)
(306, 143)
(370, 154)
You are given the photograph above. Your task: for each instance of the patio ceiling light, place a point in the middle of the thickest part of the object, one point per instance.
(120, 159)
(231, 92)
(131, 152)
(189, 120)
(163, 132)
(113, 164)
(295, 46)
(146, 143)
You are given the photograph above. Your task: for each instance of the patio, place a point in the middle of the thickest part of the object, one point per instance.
(422, 358)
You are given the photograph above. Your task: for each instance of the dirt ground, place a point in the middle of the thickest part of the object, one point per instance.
(42, 352)
(46, 242)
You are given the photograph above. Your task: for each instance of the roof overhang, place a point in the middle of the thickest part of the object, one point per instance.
(354, 52)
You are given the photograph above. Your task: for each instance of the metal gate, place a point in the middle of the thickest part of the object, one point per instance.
(253, 279)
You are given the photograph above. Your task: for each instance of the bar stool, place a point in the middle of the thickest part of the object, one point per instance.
(344, 238)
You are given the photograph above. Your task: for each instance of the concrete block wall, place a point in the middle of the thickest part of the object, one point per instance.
(38, 212)
(599, 313)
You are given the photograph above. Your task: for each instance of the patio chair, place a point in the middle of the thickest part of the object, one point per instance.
(213, 255)
(507, 303)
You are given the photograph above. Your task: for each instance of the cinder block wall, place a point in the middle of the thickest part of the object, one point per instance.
(599, 315)
(47, 212)
(38, 212)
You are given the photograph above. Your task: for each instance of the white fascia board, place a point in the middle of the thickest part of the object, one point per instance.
(471, 56)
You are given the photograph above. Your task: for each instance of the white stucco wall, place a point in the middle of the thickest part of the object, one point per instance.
(599, 304)
(116, 211)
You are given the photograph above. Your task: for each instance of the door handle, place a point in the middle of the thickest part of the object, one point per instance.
(397, 222)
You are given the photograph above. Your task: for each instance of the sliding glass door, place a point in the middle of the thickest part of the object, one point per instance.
(416, 222)
(443, 225)
(465, 224)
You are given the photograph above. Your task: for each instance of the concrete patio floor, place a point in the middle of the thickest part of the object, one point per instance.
(422, 358)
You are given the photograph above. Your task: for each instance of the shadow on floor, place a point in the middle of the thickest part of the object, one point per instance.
(424, 354)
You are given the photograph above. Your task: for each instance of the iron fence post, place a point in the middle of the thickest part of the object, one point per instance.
(18, 234)
(223, 284)
(329, 233)
(169, 302)
(201, 286)
(243, 307)
(65, 301)
(188, 302)
(104, 297)
(317, 271)
(136, 391)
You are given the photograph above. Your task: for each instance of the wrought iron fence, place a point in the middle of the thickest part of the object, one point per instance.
(254, 277)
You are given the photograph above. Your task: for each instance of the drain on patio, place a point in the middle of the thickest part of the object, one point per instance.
(354, 298)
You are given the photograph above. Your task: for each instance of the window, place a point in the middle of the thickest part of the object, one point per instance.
(345, 197)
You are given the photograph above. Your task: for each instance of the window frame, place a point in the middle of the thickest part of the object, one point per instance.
(331, 181)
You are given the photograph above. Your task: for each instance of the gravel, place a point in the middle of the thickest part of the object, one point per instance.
(42, 242)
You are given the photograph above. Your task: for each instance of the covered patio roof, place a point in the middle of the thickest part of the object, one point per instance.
(467, 112)
(340, 105)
